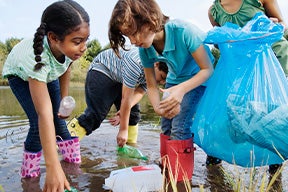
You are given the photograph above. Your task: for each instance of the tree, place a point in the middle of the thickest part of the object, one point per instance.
(5, 49)
(93, 48)
(11, 42)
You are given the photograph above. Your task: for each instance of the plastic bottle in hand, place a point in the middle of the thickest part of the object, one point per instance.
(132, 152)
(66, 106)
(165, 95)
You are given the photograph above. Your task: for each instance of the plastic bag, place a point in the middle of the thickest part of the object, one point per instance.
(242, 117)
(131, 152)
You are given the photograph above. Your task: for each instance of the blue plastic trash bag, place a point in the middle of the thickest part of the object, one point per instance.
(242, 117)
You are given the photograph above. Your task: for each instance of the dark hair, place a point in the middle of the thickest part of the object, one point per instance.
(131, 15)
(61, 18)
(163, 67)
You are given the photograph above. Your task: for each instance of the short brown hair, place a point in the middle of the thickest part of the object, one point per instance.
(132, 15)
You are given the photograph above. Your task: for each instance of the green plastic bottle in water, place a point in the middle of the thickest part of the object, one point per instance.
(131, 152)
(72, 190)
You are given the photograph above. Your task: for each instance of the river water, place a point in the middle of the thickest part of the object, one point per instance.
(99, 157)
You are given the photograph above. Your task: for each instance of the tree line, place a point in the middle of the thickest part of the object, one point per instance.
(80, 66)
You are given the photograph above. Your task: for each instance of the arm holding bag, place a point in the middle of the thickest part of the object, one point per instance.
(243, 116)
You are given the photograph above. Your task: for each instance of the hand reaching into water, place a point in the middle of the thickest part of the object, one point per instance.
(55, 179)
(122, 137)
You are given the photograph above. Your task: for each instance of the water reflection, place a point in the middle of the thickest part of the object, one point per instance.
(31, 184)
(216, 177)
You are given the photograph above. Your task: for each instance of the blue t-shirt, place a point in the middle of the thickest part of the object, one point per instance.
(181, 40)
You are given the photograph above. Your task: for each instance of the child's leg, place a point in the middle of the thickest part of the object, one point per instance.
(180, 150)
(100, 93)
(32, 148)
(55, 96)
(180, 155)
(70, 149)
(133, 124)
(30, 164)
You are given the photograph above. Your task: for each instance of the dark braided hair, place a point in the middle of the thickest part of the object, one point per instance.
(61, 18)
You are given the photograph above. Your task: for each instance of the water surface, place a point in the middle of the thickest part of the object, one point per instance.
(99, 156)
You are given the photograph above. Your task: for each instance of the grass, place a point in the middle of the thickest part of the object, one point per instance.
(251, 180)
(256, 181)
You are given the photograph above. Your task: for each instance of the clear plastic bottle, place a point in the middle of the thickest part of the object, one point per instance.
(66, 106)
(165, 95)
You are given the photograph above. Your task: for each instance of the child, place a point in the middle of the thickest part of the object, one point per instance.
(180, 45)
(240, 12)
(38, 71)
(119, 81)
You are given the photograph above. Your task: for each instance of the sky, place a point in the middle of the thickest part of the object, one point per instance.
(20, 18)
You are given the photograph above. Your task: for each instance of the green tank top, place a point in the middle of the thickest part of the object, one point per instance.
(245, 13)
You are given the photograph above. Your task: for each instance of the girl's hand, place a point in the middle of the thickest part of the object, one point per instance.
(114, 121)
(169, 107)
(62, 117)
(274, 19)
(122, 138)
(169, 114)
(55, 179)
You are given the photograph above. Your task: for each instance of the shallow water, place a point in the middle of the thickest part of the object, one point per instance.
(99, 156)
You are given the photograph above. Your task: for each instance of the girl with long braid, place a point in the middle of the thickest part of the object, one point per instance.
(38, 71)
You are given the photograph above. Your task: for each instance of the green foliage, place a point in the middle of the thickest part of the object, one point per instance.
(5, 49)
(80, 67)
(10, 43)
(93, 48)
(79, 70)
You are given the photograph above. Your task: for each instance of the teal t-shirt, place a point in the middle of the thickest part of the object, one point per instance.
(181, 40)
(20, 62)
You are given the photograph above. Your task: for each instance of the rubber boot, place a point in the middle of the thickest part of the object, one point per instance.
(180, 159)
(163, 139)
(75, 129)
(70, 150)
(132, 134)
(31, 164)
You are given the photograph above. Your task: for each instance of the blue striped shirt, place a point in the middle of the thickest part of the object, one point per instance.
(127, 70)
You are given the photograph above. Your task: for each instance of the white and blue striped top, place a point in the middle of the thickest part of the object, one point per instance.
(127, 70)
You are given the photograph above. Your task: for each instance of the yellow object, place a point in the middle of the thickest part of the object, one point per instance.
(75, 129)
(132, 133)
(1, 189)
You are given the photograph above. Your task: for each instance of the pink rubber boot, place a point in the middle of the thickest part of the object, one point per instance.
(30, 164)
(70, 150)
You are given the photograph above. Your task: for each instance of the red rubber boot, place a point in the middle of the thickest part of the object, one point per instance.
(180, 159)
(163, 139)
